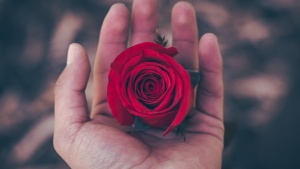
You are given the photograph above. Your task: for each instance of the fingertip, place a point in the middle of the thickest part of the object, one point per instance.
(143, 21)
(72, 52)
(209, 51)
(183, 5)
(118, 9)
(183, 13)
(119, 4)
(209, 38)
(70, 57)
(184, 23)
(117, 18)
(115, 24)
(144, 8)
(78, 68)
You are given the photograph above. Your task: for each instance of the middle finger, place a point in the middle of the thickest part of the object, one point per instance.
(144, 21)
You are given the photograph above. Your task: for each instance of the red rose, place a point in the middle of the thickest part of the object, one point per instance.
(145, 81)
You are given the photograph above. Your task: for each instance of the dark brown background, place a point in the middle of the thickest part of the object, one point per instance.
(259, 40)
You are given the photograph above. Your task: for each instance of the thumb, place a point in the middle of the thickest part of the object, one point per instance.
(70, 102)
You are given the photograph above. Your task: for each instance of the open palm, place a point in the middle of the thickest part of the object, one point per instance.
(98, 141)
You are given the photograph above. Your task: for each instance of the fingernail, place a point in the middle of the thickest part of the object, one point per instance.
(117, 5)
(71, 54)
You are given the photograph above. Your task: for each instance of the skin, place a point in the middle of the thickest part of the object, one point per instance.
(97, 140)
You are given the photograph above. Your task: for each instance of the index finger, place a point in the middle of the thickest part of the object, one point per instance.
(112, 41)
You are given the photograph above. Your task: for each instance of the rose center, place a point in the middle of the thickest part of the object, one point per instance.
(149, 87)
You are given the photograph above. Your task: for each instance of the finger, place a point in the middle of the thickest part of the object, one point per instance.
(210, 89)
(144, 21)
(70, 101)
(185, 35)
(112, 41)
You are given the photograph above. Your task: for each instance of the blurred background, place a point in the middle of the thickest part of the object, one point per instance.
(259, 40)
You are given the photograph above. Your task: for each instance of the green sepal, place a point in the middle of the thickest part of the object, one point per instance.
(181, 129)
(195, 77)
(139, 125)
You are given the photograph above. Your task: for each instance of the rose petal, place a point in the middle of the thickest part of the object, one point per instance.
(125, 56)
(123, 92)
(186, 102)
(174, 94)
(117, 109)
(156, 121)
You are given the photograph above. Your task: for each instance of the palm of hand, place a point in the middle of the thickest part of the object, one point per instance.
(99, 141)
(103, 144)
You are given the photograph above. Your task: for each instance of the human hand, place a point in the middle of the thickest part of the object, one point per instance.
(99, 141)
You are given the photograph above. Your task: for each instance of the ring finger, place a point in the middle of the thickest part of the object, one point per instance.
(185, 35)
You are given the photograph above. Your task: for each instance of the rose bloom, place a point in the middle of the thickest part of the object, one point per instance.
(145, 81)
